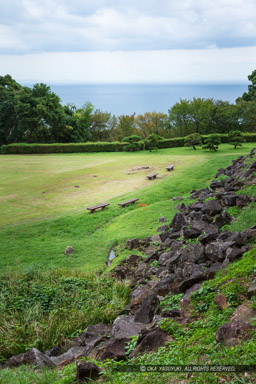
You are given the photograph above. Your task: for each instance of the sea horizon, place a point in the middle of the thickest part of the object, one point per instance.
(126, 99)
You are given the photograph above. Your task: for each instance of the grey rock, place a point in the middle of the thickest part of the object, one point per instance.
(207, 237)
(132, 243)
(93, 334)
(71, 355)
(163, 219)
(163, 228)
(178, 222)
(55, 351)
(125, 327)
(34, 356)
(86, 371)
(229, 333)
(149, 307)
(69, 250)
(252, 288)
(112, 349)
(149, 341)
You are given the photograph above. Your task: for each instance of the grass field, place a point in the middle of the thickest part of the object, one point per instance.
(47, 297)
(42, 211)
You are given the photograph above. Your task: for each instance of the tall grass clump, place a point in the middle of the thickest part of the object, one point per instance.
(41, 309)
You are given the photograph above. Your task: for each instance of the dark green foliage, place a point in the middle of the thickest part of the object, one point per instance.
(62, 148)
(193, 140)
(152, 141)
(171, 143)
(134, 143)
(251, 94)
(235, 138)
(212, 142)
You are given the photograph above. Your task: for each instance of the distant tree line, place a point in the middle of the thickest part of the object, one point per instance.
(36, 115)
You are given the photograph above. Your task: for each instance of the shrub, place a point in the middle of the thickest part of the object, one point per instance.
(235, 138)
(23, 148)
(212, 142)
(193, 140)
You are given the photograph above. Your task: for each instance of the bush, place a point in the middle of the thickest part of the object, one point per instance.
(212, 142)
(235, 138)
(193, 140)
(134, 143)
(171, 143)
(22, 148)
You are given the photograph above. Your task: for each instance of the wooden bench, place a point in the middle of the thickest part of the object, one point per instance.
(170, 167)
(132, 201)
(153, 176)
(100, 206)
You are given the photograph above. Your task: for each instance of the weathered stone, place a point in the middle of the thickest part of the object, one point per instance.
(132, 244)
(221, 301)
(216, 251)
(196, 277)
(112, 349)
(34, 356)
(163, 228)
(211, 207)
(180, 207)
(93, 334)
(207, 237)
(184, 304)
(163, 287)
(125, 327)
(87, 371)
(178, 222)
(71, 355)
(233, 253)
(223, 219)
(229, 199)
(149, 341)
(250, 232)
(171, 313)
(55, 351)
(242, 201)
(163, 259)
(215, 267)
(230, 333)
(138, 295)
(244, 313)
(252, 288)
(190, 233)
(69, 250)
(162, 219)
(175, 198)
(148, 309)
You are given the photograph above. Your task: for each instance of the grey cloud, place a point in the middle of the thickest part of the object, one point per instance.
(28, 26)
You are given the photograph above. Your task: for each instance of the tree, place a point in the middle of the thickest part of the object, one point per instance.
(79, 122)
(134, 143)
(152, 142)
(212, 142)
(251, 94)
(235, 138)
(126, 126)
(8, 119)
(151, 123)
(102, 126)
(193, 140)
(40, 115)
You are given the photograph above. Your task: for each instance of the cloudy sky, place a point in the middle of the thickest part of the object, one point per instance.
(111, 41)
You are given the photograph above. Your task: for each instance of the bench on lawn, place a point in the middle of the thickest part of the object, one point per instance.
(152, 176)
(170, 167)
(132, 201)
(100, 206)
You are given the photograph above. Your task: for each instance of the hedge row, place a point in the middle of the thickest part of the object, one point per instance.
(23, 148)
(62, 148)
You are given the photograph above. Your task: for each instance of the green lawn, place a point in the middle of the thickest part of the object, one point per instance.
(42, 211)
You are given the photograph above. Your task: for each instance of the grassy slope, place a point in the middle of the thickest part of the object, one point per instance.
(44, 240)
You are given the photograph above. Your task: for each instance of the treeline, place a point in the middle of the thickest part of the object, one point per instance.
(36, 115)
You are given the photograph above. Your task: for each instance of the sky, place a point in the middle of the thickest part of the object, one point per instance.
(121, 41)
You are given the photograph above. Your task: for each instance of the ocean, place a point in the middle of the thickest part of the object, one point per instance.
(140, 98)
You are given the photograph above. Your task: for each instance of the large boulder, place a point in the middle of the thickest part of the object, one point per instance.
(178, 222)
(93, 335)
(34, 356)
(113, 349)
(149, 341)
(231, 333)
(149, 307)
(138, 295)
(86, 371)
(71, 355)
(125, 327)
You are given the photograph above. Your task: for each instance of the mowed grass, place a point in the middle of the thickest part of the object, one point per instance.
(42, 211)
